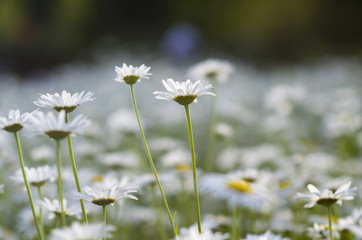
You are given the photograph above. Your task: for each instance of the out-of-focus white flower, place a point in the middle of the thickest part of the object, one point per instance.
(15, 122)
(25, 222)
(282, 98)
(54, 208)
(266, 236)
(352, 223)
(192, 233)
(130, 74)
(321, 231)
(120, 159)
(249, 189)
(211, 69)
(42, 153)
(122, 121)
(164, 144)
(223, 130)
(176, 157)
(229, 159)
(56, 127)
(104, 196)
(342, 123)
(77, 231)
(65, 101)
(327, 197)
(38, 176)
(185, 92)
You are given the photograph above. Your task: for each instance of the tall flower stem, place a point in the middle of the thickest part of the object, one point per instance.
(192, 148)
(41, 223)
(149, 157)
(104, 210)
(30, 197)
(74, 167)
(211, 139)
(60, 184)
(235, 230)
(330, 222)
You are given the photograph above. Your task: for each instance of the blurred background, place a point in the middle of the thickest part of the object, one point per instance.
(40, 34)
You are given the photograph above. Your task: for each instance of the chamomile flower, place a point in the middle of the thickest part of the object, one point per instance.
(211, 69)
(266, 236)
(15, 122)
(104, 196)
(37, 177)
(192, 233)
(54, 208)
(78, 231)
(130, 74)
(185, 92)
(327, 197)
(56, 127)
(64, 101)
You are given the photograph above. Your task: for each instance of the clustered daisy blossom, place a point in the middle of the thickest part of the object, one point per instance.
(91, 231)
(211, 69)
(104, 196)
(36, 176)
(54, 208)
(56, 127)
(130, 74)
(185, 92)
(327, 197)
(15, 121)
(64, 101)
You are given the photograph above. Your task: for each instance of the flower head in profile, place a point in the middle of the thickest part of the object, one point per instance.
(64, 101)
(15, 121)
(185, 92)
(327, 197)
(56, 127)
(54, 208)
(130, 74)
(211, 70)
(103, 196)
(266, 236)
(77, 231)
(38, 176)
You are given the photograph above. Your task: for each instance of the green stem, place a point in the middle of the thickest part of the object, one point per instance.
(74, 167)
(151, 162)
(235, 230)
(330, 222)
(104, 208)
(211, 140)
(192, 148)
(60, 184)
(30, 197)
(41, 223)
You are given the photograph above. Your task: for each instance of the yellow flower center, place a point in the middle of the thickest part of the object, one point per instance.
(284, 185)
(98, 178)
(240, 185)
(183, 168)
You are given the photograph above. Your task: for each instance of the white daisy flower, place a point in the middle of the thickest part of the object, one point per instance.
(37, 177)
(54, 208)
(185, 92)
(266, 236)
(211, 69)
(15, 122)
(249, 189)
(327, 197)
(104, 196)
(130, 74)
(64, 101)
(192, 233)
(56, 127)
(78, 231)
(321, 231)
